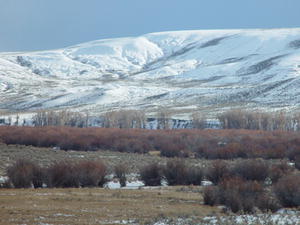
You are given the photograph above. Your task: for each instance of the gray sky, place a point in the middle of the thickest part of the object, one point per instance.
(48, 24)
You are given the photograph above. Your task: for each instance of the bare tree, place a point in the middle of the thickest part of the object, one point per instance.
(59, 118)
(163, 118)
(199, 120)
(125, 119)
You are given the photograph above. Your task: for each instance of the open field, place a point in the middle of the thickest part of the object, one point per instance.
(100, 206)
(159, 206)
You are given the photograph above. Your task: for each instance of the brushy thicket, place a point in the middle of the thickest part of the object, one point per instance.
(217, 171)
(287, 190)
(241, 186)
(175, 172)
(210, 144)
(297, 162)
(151, 174)
(241, 195)
(251, 169)
(25, 174)
(280, 170)
(248, 169)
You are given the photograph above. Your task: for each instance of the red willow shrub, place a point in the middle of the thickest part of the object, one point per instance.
(211, 144)
(80, 174)
(251, 169)
(279, 170)
(217, 171)
(297, 162)
(287, 190)
(176, 172)
(151, 174)
(62, 175)
(91, 173)
(24, 174)
(211, 195)
(240, 195)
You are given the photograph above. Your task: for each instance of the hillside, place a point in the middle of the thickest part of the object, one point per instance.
(209, 70)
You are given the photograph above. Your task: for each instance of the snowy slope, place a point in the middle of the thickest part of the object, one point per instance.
(185, 70)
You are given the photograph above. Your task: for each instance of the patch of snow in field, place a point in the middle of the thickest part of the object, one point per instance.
(129, 185)
(3, 179)
(64, 215)
(206, 183)
(278, 219)
(131, 222)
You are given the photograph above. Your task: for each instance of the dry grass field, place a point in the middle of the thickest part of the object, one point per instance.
(100, 206)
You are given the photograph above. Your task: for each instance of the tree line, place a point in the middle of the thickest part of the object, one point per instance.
(231, 119)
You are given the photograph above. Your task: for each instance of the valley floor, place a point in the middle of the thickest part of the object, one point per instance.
(153, 206)
(101, 206)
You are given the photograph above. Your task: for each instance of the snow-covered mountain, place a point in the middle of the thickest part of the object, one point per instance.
(209, 70)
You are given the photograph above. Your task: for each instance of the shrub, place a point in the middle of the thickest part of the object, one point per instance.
(240, 195)
(212, 144)
(91, 173)
(120, 171)
(279, 170)
(38, 176)
(131, 145)
(217, 171)
(297, 162)
(267, 202)
(81, 174)
(176, 172)
(287, 190)
(211, 195)
(170, 149)
(251, 169)
(194, 175)
(63, 174)
(22, 174)
(151, 174)
(233, 200)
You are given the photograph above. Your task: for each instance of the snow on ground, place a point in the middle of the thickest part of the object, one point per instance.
(282, 217)
(203, 69)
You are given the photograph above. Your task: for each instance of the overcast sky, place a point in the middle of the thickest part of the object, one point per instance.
(48, 24)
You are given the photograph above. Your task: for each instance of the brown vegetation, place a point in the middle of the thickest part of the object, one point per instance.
(25, 174)
(151, 174)
(210, 144)
(287, 190)
(256, 120)
(240, 195)
(120, 172)
(218, 171)
(99, 206)
(251, 169)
